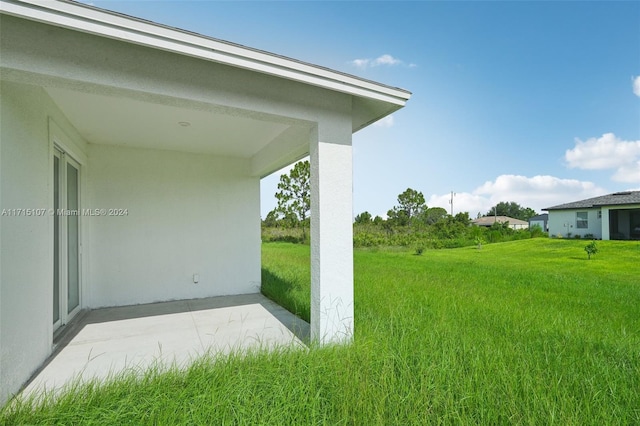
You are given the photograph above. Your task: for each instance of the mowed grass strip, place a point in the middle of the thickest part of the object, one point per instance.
(525, 332)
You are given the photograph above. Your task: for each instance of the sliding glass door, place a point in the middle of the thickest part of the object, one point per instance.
(66, 238)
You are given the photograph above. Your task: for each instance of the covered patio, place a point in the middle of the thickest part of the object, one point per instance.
(109, 341)
(624, 224)
(132, 154)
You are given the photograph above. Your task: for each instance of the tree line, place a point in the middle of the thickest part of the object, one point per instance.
(409, 222)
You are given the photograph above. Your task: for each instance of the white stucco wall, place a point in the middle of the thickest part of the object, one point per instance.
(26, 282)
(186, 214)
(559, 219)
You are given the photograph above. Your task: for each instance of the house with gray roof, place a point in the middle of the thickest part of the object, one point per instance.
(540, 220)
(609, 217)
(488, 221)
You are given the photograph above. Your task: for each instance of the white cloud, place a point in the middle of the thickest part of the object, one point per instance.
(385, 59)
(607, 152)
(387, 121)
(629, 173)
(462, 202)
(536, 192)
(361, 63)
(636, 85)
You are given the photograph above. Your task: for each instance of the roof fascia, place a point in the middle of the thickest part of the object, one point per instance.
(609, 205)
(589, 207)
(104, 23)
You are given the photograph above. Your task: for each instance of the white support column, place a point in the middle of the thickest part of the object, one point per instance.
(331, 233)
(606, 231)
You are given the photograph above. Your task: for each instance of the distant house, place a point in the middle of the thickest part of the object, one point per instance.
(609, 217)
(540, 220)
(490, 220)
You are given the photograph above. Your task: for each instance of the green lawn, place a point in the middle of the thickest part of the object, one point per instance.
(524, 332)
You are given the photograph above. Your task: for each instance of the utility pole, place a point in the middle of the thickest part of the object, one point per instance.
(453, 194)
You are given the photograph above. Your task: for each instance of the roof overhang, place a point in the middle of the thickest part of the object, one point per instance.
(92, 20)
(617, 200)
(124, 81)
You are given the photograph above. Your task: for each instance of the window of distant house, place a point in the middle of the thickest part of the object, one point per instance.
(582, 220)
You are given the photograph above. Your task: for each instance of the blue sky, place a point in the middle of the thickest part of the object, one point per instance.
(532, 102)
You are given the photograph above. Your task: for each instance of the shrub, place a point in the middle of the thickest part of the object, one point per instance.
(289, 235)
(537, 231)
(591, 249)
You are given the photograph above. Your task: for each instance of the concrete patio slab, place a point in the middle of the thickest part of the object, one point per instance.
(110, 340)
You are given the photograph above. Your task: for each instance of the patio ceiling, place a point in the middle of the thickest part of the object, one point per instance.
(190, 127)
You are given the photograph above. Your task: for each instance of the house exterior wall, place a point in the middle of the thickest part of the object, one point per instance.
(540, 220)
(26, 247)
(517, 226)
(180, 214)
(539, 223)
(563, 222)
(186, 214)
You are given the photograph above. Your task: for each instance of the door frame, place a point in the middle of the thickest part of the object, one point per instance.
(68, 152)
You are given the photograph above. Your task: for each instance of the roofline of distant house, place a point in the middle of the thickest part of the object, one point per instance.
(590, 203)
(499, 219)
(93, 20)
(590, 206)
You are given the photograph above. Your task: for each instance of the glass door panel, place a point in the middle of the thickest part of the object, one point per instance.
(56, 240)
(73, 240)
(66, 238)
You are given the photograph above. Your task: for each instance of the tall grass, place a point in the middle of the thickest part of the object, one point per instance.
(525, 332)
(286, 277)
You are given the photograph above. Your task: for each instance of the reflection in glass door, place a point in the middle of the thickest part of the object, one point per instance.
(66, 238)
(73, 240)
(56, 241)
